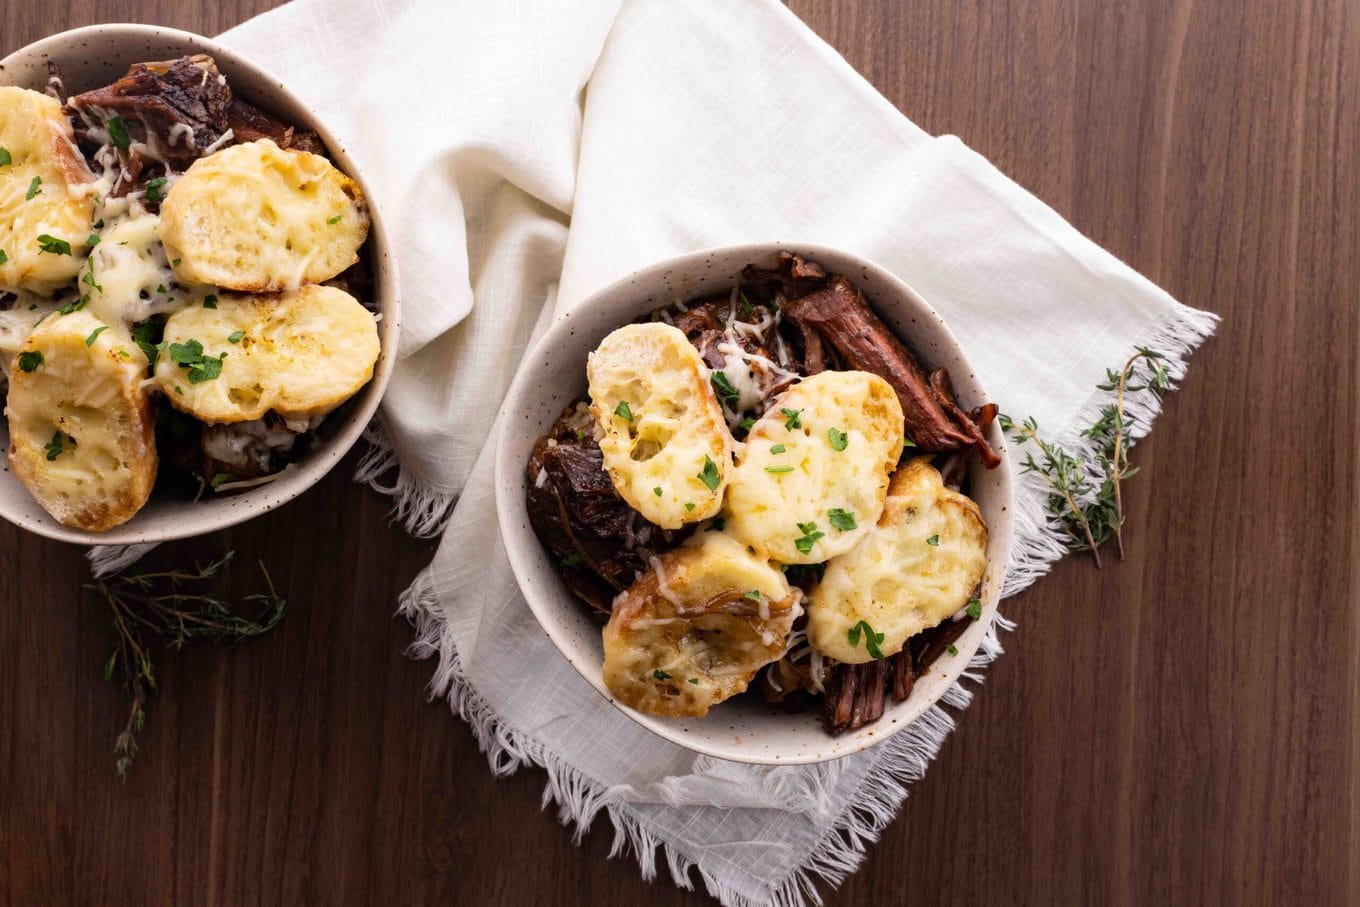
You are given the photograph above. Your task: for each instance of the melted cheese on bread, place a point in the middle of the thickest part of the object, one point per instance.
(300, 354)
(695, 628)
(131, 277)
(44, 192)
(80, 423)
(917, 567)
(665, 441)
(259, 218)
(812, 477)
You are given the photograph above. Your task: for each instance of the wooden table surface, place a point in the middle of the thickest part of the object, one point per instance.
(1182, 727)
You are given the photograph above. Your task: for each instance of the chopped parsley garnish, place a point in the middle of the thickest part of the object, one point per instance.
(974, 609)
(837, 438)
(661, 675)
(153, 189)
(88, 279)
(218, 479)
(710, 475)
(791, 418)
(746, 424)
(33, 188)
(94, 335)
(118, 134)
(99, 224)
(843, 520)
(209, 301)
(809, 537)
(235, 336)
(74, 306)
(580, 436)
(93, 240)
(872, 640)
(726, 392)
(747, 310)
(657, 491)
(689, 505)
(333, 220)
(179, 390)
(933, 541)
(753, 595)
(777, 449)
(953, 649)
(907, 442)
(718, 525)
(5, 159)
(30, 361)
(52, 245)
(694, 680)
(145, 336)
(56, 447)
(571, 560)
(4, 257)
(190, 356)
(778, 470)
(160, 288)
(624, 411)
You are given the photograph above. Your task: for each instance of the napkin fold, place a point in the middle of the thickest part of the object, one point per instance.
(526, 154)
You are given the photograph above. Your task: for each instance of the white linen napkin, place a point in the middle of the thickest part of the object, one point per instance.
(528, 153)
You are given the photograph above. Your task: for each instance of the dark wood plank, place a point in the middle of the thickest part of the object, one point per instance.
(1180, 727)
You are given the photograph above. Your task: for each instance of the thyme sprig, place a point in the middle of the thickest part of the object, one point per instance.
(165, 606)
(1087, 497)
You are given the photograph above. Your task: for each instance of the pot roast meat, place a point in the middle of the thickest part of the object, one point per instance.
(839, 313)
(601, 542)
(249, 123)
(162, 101)
(854, 696)
(794, 276)
(903, 674)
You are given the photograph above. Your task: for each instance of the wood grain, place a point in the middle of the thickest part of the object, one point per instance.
(1181, 727)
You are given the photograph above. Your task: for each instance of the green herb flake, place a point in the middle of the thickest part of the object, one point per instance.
(74, 306)
(209, 301)
(689, 505)
(933, 541)
(694, 680)
(118, 133)
(4, 257)
(190, 356)
(94, 335)
(657, 491)
(52, 245)
(791, 418)
(145, 336)
(153, 189)
(753, 595)
(710, 476)
(872, 640)
(218, 479)
(974, 609)
(624, 411)
(58, 445)
(724, 389)
(333, 220)
(235, 336)
(92, 240)
(29, 362)
(160, 288)
(907, 443)
(953, 649)
(809, 537)
(837, 438)
(661, 675)
(778, 470)
(5, 159)
(843, 520)
(746, 424)
(179, 390)
(34, 188)
(777, 449)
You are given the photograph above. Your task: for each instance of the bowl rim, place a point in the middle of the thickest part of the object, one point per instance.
(509, 504)
(387, 298)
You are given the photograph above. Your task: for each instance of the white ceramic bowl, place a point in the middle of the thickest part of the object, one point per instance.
(95, 56)
(743, 729)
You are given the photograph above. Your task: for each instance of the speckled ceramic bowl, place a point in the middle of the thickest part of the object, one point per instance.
(743, 729)
(95, 56)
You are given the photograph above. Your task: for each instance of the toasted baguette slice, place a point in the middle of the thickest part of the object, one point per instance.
(665, 442)
(916, 568)
(259, 218)
(82, 435)
(44, 192)
(795, 497)
(696, 628)
(300, 354)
